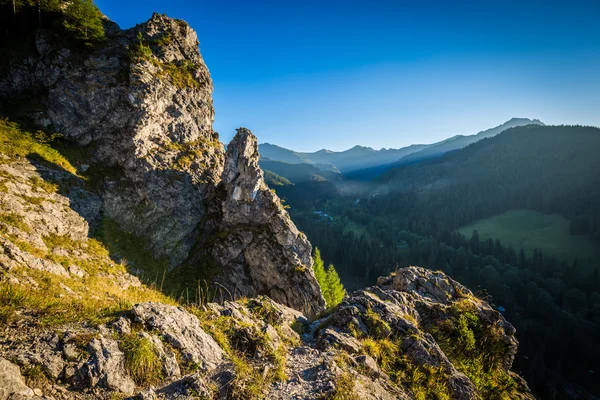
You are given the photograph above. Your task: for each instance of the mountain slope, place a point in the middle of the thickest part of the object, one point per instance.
(356, 158)
(365, 163)
(140, 126)
(460, 141)
(307, 185)
(298, 173)
(360, 157)
(545, 168)
(277, 153)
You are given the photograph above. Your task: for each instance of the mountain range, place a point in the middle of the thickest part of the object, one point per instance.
(360, 161)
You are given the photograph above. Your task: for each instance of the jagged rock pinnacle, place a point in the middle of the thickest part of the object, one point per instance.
(261, 249)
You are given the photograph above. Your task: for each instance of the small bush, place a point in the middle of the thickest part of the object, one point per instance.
(164, 40)
(378, 328)
(181, 75)
(141, 50)
(35, 376)
(264, 310)
(344, 388)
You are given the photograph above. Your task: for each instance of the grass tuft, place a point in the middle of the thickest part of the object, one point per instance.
(141, 359)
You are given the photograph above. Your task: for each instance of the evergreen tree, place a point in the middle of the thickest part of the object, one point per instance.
(84, 19)
(335, 288)
(329, 280)
(320, 273)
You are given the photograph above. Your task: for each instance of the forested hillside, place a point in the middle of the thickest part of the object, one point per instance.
(304, 184)
(461, 141)
(411, 214)
(553, 169)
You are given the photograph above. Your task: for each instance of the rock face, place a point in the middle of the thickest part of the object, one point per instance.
(149, 133)
(182, 331)
(259, 248)
(140, 109)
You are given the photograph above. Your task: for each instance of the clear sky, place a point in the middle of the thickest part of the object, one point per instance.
(308, 74)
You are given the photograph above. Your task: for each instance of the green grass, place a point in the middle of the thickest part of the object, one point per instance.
(141, 359)
(358, 229)
(13, 220)
(17, 143)
(531, 230)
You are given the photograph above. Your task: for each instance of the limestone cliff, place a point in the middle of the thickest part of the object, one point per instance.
(140, 108)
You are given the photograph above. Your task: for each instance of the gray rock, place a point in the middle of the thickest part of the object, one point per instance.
(330, 337)
(106, 367)
(190, 387)
(369, 365)
(12, 384)
(45, 352)
(260, 249)
(183, 331)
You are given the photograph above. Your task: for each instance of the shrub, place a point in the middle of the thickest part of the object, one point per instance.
(378, 328)
(141, 50)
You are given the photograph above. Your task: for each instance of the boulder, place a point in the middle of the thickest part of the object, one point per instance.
(181, 330)
(12, 384)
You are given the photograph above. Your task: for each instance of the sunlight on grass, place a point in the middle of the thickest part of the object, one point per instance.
(15, 142)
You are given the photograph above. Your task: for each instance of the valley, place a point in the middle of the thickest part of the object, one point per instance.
(530, 194)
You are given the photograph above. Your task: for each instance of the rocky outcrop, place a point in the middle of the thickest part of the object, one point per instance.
(417, 334)
(139, 108)
(182, 331)
(146, 119)
(259, 248)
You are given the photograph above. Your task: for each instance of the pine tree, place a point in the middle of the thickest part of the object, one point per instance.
(84, 19)
(329, 280)
(319, 270)
(335, 288)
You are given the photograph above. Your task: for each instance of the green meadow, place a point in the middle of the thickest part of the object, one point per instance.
(532, 229)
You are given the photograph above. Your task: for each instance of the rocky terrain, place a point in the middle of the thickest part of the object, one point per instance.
(140, 258)
(139, 111)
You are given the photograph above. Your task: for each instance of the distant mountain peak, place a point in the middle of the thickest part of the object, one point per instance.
(522, 120)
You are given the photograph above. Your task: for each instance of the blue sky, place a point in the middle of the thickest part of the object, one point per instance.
(308, 74)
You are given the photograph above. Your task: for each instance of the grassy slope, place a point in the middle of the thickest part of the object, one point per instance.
(531, 230)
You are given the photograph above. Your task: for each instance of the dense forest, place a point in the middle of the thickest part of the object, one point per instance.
(410, 216)
(552, 169)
